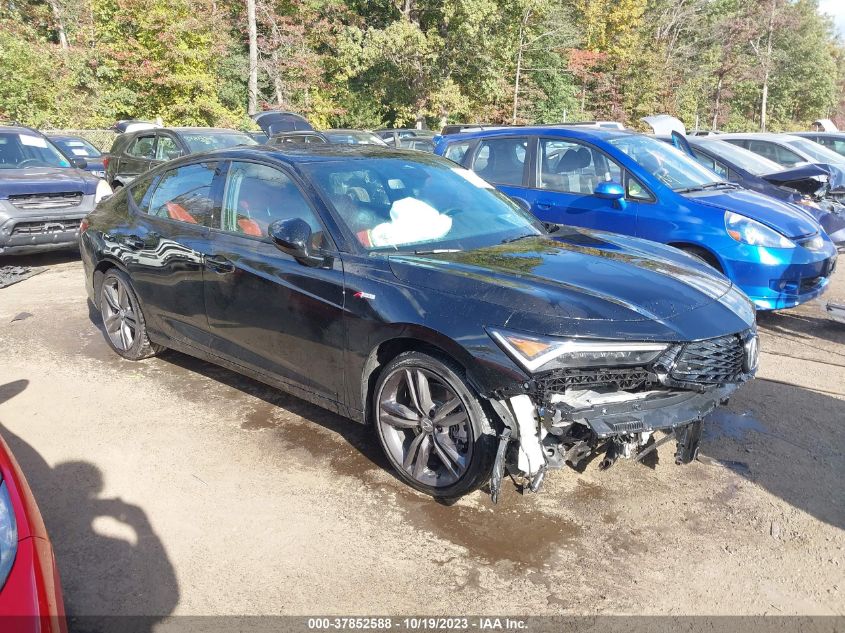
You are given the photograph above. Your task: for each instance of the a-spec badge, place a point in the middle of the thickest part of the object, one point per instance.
(363, 295)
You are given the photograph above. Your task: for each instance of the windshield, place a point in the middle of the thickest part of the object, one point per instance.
(77, 147)
(19, 151)
(815, 151)
(353, 137)
(742, 158)
(672, 167)
(205, 141)
(430, 204)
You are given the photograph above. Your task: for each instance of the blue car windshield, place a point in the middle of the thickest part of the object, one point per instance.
(22, 150)
(672, 167)
(741, 157)
(393, 204)
(77, 147)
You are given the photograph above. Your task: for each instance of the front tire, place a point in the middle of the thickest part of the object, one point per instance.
(430, 424)
(123, 320)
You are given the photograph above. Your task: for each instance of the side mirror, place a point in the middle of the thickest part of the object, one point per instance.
(611, 191)
(79, 163)
(294, 238)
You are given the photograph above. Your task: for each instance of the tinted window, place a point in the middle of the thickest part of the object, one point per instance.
(390, 203)
(457, 151)
(711, 164)
(741, 157)
(635, 190)
(574, 168)
(502, 160)
(666, 163)
(777, 153)
(184, 194)
(258, 195)
(142, 147)
(167, 148)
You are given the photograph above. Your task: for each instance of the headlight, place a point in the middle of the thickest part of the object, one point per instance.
(748, 231)
(536, 354)
(103, 191)
(8, 534)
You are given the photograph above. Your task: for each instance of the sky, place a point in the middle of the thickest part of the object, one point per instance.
(836, 8)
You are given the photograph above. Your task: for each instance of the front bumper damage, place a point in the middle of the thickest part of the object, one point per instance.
(545, 431)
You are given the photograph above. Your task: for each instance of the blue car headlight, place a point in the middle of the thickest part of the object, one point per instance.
(538, 353)
(748, 231)
(8, 534)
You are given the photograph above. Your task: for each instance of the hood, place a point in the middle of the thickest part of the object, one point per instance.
(579, 275)
(781, 216)
(45, 180)
(277, 122)
(807, 179)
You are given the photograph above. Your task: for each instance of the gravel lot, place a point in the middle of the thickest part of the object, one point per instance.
(172, 486)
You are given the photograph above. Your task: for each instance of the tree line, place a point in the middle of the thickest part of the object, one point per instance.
(726, 64)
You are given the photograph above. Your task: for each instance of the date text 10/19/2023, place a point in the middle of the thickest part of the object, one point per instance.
(416, 624)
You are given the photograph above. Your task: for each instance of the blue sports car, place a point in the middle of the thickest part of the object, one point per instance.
(628, 183)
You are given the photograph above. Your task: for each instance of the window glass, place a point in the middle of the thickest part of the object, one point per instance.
(574, 167)
(77, 147)
(711, 164)
(139, 190)
(142, 147)
(184, 194)
(777, 153)
(167, 148)
(814, 150)
(502, 160)
(456, 151)
(741, 157)
(207, 141)
(19, 151)
(258, 195)
(392, 204)
(672, 167)
(635, 190)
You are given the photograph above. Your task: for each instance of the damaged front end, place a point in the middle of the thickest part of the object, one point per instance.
(587, 398)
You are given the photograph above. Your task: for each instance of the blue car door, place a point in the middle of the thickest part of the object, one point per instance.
(503, 161)
(564, 192)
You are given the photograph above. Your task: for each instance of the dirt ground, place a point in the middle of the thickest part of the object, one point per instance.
(172, 486)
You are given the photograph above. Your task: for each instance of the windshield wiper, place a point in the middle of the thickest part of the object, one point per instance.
(520, 237)
(688, 189)
(720, 184)
(438, 251)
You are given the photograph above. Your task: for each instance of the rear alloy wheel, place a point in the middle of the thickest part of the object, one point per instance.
(430, 425)
(123, 320)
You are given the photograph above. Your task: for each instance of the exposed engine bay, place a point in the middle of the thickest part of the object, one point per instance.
(572, 416)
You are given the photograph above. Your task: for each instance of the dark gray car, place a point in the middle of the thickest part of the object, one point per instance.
(135, 153)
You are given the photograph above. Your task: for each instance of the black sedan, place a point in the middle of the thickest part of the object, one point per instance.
(400, 290)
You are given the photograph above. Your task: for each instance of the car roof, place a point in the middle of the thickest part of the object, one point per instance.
(830, 134)
(295, 154)
(19, 129)
(67, 137)
(765, 136)
(581, 132)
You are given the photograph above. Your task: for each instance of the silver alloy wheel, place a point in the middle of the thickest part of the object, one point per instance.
(119, 314)
(425, 426)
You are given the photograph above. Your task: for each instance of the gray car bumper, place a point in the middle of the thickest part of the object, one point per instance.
(29, 231)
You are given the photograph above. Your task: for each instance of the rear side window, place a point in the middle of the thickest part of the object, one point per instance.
(184, 194)
(502, 160)
(572, 167)
(711, 164)
(457, 151)
(775, 152)
(167, 149)
(142, 147)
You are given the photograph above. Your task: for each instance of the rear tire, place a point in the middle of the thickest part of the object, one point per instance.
(430, 422)
(123, 319)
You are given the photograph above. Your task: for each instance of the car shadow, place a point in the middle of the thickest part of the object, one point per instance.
(105, 548)
(42, 260)
(807, 328)
(767, 437)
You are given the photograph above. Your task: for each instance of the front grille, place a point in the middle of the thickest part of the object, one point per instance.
(715, 361)
(47, 200)
(49, 226)
(561, 380)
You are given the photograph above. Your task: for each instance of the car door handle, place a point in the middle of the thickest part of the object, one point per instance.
(220, 265)
(545, 206)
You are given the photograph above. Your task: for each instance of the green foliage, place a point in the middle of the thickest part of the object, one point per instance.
(371, 63)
